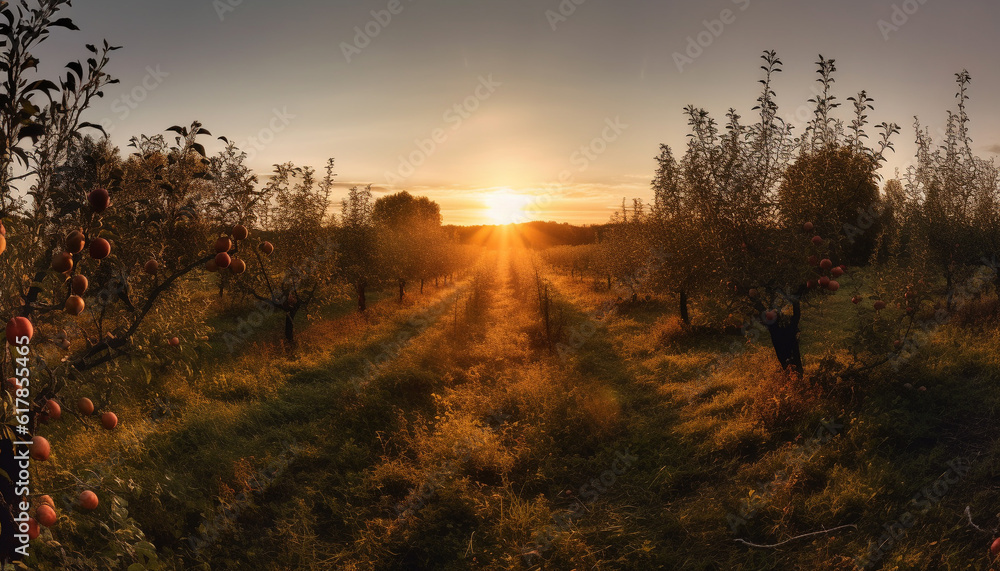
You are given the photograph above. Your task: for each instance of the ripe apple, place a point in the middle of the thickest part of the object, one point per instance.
(817, 240)
(222, 260)
(109, 420)
(843, 267)
(240, 232)
(99, 200)
(836, 272)
(855, 300)
(86, 406)
(40, 448)
(174, 342)
(46, 501)
(752, 292)
(897, 344)
(62, 262)
(238, 266)
(813, 260)
(808, 226)
(811, 284)
(824, 282)
(995, 547)
(46, 515)
(3, 244)
(879, 305)
(88, 500)
(833, 285)
(33, 529)
(80, 284)
(825, 264)
(266, 247)
(19, 327)
(223, 244)
(212, 266)
(770, 317)
(99, 248)
(52, 409)
(75, 305)
(151, 267)
(75, 241)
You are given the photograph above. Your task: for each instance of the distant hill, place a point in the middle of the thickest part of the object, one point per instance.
(535, 235)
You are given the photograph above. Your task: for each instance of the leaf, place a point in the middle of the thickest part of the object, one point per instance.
(136, 567)
(200, 148)
(33, 130)
(93, 126)
(65, 23)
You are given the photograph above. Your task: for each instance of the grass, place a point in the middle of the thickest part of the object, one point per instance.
(624, 441)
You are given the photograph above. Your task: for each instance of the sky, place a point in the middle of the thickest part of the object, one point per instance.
(493, 106)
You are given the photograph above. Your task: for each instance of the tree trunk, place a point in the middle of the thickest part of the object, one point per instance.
(402, 285)
(436, 281)
(290, 327)
(609, 283)
(685, 316)
(421, 285)
(361, 296)
(785, 340)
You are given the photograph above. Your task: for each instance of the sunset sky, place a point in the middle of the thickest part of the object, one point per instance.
(530, 96)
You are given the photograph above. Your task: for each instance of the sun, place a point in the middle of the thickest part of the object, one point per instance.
(506, 207)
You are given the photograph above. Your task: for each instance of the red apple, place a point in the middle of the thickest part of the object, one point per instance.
(824, 282)
(752, 292)
(99, 200)
(240, 232)
(3, 244)
(817, 240)
(109, 420)
(40, 448)
(99, 248)
(74, 305)
(223, 244)
(88, 500)
(52, 409)
(80, 284)
(86, 406)
(897, 344)
(46, 515)
(266, 247)
(995, 547)
(833, 285)
(808, 226)
(770, 317)
(222, 260)
(811, 284)
(836, 272)
(855, 300)
(813, 260)
(75, 242)
(174, 342)
(19, 327)
(212, 266)
(825, 264)
(238, 266)
(62, 262)
(879, 305)
(33, 529)
(151, 267)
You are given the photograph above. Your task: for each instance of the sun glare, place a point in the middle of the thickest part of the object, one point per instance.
(505, 207)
